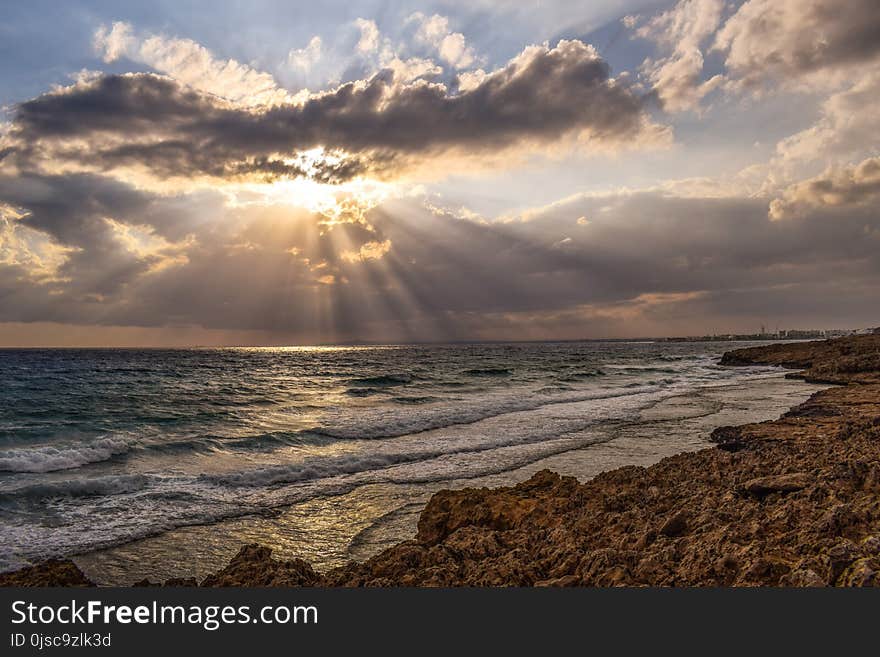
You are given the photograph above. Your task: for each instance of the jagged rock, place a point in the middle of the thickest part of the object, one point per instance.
(862, 572)
(254, 566)
(871, 545)
(54, 572)
(804, 577)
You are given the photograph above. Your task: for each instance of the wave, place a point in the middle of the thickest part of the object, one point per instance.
(451, 445)
(95, 486)
(49, 458)
(379, 423)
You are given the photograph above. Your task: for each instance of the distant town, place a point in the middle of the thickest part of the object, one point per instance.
(778, 334)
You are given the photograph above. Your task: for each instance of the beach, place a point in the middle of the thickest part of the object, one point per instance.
(789, 502)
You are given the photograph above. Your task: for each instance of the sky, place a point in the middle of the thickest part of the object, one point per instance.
(272, 173)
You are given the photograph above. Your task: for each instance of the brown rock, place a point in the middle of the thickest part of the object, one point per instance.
(54, 572)
(254, 566)
(675, 525)
(803, 578)
(784, 483)
(862, 572)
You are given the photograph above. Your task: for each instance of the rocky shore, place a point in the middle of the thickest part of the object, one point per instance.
(792, 502)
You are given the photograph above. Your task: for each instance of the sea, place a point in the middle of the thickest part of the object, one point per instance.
(162, 463)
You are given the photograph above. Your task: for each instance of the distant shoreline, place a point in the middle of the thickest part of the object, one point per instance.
(343, 345)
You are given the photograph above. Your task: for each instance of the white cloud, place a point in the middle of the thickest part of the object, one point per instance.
(305, 59)
(369, 41)
(450, 46)
(408, 70)
(468, 80)
(848, 128)
(115, 42)
(680, 31)
(373, 250)
(190, 63)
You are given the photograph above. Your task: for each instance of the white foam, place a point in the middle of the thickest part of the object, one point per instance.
(48, 458)
(390, 422)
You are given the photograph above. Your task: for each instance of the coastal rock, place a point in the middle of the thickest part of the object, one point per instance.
(730, 439)
(54, 572)
(676, 525)
(863, 572)
(785, 483)
(853, 359)
(254, 566)
(804, 577)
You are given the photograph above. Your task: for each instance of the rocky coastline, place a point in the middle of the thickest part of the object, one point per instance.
(790, 502)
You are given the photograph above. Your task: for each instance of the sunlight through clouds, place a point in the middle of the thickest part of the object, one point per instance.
(614, 167)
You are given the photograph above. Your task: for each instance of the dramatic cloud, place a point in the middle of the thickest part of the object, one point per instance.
(374, 126)
(626, 263)
(410, 198)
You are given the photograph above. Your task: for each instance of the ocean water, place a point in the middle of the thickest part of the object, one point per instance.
(141, 460)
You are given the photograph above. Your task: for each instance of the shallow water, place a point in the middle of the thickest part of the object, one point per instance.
(147, 462)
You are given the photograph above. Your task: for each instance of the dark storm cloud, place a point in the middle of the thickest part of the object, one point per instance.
(541, 96)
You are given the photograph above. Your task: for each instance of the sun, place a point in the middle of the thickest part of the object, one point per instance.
(348, 201)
